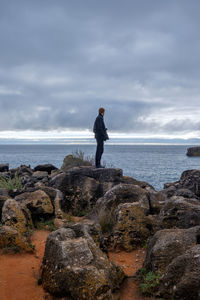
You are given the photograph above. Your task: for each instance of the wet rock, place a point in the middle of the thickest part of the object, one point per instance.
(180, 212)
(70, 161)
(16, 216)
(193, 151)
(181, 280)
(45, 167)
(168, 244)
(74, 267)
(38, 202)
(4, 167)
(83, 186)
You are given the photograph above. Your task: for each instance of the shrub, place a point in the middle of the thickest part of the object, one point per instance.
(11, 184)
(42, 224)
(149, 282)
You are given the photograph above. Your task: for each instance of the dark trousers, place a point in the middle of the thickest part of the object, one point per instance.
(99, 151)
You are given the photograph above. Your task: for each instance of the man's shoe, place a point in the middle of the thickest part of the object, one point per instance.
(100, 167)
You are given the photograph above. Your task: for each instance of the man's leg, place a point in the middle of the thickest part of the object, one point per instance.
(99, 152)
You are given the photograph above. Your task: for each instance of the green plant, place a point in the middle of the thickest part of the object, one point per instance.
(1, 224)
(42, 224)
(149, 281)
(32, 246)
(81, 155)
(11, 184)
(107, 223)
(80, 213)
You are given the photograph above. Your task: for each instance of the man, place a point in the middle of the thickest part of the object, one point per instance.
(101, 135)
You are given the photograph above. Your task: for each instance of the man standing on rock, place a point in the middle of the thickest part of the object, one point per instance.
(101, 135)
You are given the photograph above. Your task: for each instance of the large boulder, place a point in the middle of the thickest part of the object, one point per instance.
(179, 212)
(38, 202)
(166, 245)
(74, 267)
(124, 214)
(193, 151)
(71, 161)
(45, 167)
(131, 227)
(84, 185)
(181, 280)
(16, 216)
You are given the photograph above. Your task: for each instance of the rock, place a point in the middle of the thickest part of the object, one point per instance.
(15, 216)
(2, 201)
(168, 244)
(179, 212)
(22, 171)
(70, 161)
(123, 213)
(142, 184)
(190, 181)
(74, 267)
(4, 167)
(193, 151)
(83, 186)
(46, 168)
(132, 227)
(38, 202)
(11, 239)
(182, 277)
(40, 174)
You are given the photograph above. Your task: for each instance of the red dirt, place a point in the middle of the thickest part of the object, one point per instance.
(130, 263)
(19, 273)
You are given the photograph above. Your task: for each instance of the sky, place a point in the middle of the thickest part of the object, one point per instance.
(60, 60)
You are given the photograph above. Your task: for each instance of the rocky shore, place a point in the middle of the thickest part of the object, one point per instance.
(120, 213)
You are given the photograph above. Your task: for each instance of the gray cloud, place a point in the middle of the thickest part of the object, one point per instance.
(61, 60)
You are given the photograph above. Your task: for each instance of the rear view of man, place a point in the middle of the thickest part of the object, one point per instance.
(101, 135)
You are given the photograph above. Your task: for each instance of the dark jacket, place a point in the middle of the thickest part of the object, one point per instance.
(100, 129)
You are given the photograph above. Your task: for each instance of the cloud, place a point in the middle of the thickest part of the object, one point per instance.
(61, 60)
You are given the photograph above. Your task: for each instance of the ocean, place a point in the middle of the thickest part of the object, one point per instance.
(155, 164)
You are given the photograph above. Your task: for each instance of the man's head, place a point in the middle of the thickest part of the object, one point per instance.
(101, 111)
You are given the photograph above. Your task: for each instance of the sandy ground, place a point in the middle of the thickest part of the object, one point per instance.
(19, 273)
(130, 263)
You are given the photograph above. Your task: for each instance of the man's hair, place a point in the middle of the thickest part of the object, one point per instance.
(101, 110)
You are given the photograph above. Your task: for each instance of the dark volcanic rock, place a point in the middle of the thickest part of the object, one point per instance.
(193, 151)
(83, 186)
(46, 168)
(168, 244)
(188, 183)
(4, 167)
(182, 278)
(180, 212)
(74, 267)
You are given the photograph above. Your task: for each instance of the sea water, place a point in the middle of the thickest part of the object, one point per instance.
(155, 164)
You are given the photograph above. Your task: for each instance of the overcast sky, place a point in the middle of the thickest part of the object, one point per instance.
(60, 60)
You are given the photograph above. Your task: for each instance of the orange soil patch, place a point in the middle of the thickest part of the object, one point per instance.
(130, 262)
(19, 273)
